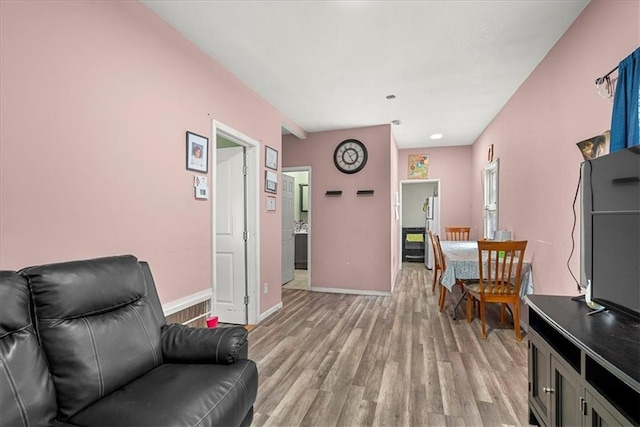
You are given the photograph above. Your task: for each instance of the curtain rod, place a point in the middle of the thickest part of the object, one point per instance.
(600, 80)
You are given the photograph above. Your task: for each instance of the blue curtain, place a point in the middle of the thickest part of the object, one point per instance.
(625, 121)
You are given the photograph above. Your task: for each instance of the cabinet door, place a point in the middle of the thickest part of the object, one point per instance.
(301, 251)
(597, 413)
(566, 406)
(539, 376)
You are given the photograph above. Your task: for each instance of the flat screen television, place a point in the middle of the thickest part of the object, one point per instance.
(610, 247)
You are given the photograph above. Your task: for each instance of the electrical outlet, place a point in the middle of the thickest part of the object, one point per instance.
(266, 287)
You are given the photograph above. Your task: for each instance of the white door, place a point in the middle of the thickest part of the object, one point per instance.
(288, 244)
(231, 286)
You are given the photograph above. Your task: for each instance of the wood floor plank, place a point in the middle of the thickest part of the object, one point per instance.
(323, 369)
(295, 403)
(476, 379)
(468, 403)
(357, 360)
(387, 410)
(350, 413)
(450, 396)
(317, 409)
(431, 379)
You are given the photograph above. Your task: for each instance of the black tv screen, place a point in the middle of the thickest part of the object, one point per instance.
(611, 229)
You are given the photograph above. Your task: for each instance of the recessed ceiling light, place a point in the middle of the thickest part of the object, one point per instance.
(391, 97)
(396, 122)
(436, 136)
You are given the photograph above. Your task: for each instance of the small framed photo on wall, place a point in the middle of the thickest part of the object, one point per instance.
(197, 152)
(271, 158)
(270, 182)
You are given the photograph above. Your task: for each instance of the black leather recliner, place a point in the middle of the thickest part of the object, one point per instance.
(86, 343)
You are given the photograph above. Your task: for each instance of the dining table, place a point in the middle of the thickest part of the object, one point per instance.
(462, 263)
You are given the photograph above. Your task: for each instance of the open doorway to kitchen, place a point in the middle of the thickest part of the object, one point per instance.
(419, 213)
(299, 222)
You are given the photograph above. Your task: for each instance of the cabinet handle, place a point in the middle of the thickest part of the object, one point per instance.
(547, 389)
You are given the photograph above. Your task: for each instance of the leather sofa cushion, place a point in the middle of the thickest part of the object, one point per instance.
(97, 326)
(179, 395)
(84, 288)
(27, 396)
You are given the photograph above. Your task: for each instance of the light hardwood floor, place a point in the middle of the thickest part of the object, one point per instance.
(299, 280)
(352, 360)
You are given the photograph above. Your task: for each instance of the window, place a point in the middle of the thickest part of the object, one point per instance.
(490, 198)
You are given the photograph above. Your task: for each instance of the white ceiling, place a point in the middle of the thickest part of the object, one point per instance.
(330, 64)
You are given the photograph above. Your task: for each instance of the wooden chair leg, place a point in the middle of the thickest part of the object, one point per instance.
(443, 297)
(435, 279)
(469, 306)
(484, 332)
(516, 321)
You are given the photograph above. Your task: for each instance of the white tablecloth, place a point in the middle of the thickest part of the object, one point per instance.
(461, 259)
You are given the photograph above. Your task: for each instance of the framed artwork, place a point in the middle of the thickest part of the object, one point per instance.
(271, 204)
(197, 152)
(271, 158)
(270, 182)
(418, 166)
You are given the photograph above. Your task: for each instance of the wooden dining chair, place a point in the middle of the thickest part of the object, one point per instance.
(500, 265)
(442, 298)
(443, 290)
(437, 263)
(457, 233)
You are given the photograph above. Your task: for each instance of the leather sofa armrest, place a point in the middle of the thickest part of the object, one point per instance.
(222, 346)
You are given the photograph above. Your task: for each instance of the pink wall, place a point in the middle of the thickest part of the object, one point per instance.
(96, 98)
(535, 135)
(452, 166)
(349, 234)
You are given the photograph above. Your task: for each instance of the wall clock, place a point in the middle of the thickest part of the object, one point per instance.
(350, 156)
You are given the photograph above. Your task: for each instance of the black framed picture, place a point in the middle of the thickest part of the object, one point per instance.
(197, 152)
(270, 182)
(271, 158)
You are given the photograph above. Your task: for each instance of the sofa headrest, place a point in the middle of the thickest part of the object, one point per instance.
(27, 394)
(80, 288)
(14, 295)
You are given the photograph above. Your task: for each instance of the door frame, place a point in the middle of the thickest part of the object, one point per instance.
(309, 216)
(416, 181)
(288, 240)
(252, 202)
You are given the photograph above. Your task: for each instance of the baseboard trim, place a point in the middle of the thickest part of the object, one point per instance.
(351, 291)
(186, 302)
(271, 311)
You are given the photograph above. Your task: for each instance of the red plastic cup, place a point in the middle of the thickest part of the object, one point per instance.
(212, 322)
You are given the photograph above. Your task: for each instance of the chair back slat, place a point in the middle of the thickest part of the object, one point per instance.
(457, 233)
(500, 266)
(440, 254)
(437, 257)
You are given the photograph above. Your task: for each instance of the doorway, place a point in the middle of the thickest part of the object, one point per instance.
(235, 214)
(297, 245)
(419, 212)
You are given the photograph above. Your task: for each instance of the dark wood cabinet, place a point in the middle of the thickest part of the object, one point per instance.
(584, 369)
(300, 253)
